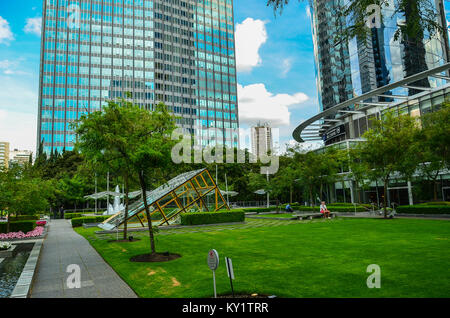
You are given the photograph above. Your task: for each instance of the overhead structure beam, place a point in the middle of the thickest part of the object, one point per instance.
(419, 88)
(378, 91)
(394, 96)
(440, 77)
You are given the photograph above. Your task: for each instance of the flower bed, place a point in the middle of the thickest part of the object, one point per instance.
(41, 223)
(20, 235)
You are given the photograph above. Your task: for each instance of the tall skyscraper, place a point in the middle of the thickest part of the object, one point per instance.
(178, 52)
(345, 69)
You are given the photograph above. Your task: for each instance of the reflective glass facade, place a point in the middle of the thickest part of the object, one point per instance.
(350, 69)
(179, 52)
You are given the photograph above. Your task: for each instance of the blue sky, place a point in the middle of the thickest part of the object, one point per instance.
(274, 55)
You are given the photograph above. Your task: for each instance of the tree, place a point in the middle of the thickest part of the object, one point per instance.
(22, 193)
(102, 139)
(434, 144)
(132, 141)
(390, 146)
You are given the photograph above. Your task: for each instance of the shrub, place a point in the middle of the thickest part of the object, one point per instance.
(18, 226)
(436, 203)
(69, 216)
(77, 222)
(24, 218)
(211, 218)
(259, 210)
(423, 209)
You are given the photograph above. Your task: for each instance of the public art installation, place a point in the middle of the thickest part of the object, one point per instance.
(116, 207)
(188, 192)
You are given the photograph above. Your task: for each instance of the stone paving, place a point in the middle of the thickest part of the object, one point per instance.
(64, 247)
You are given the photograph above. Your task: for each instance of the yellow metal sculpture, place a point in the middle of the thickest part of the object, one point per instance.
(188, 192)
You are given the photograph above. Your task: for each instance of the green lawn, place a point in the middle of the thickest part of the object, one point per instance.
(323, 258)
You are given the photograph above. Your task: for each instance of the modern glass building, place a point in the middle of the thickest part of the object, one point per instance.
(351, 68)
(178, 52)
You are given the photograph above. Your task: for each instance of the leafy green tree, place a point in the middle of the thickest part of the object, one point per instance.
(22, 193)
(389, 147)
(434, 144)
(131, 140)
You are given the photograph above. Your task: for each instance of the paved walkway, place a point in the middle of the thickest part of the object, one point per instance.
(64, 247)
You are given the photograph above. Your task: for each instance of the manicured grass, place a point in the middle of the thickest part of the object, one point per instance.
(323, 258)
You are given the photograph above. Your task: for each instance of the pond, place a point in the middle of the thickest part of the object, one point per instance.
(11, 268)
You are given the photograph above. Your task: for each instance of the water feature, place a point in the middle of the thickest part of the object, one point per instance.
(117, 206)
(11, 268)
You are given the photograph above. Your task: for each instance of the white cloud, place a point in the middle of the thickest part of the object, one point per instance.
(18, 94)
(19, 129)
(257, 104)
(33, 26)
(5, 32)
(11, 67)
(250, 36)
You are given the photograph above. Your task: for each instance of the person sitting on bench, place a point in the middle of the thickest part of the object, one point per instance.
(289, 208)
(324, 210)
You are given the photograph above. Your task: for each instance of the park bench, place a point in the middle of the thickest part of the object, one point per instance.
(310, 216)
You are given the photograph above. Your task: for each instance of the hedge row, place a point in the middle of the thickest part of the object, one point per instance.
(69, 216)
(211, 218)
(24, 218)
(440, 203)
(77, 222)
(24, 226)
(259, 210)
(423, 209)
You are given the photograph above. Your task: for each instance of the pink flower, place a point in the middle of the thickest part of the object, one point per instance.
(19, 235)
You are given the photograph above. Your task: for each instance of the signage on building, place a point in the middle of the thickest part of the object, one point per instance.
(334, 132)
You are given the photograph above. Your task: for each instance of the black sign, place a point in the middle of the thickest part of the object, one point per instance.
(334, 132)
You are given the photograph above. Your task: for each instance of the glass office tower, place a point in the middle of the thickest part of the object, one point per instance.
(178, 52)
(351, 68)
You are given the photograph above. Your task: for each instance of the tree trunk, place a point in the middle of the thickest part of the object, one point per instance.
(125, 225)
(435, 190)
(290, 195)
(311, 202)
(147, 212)
(7, 224)
(386, 182)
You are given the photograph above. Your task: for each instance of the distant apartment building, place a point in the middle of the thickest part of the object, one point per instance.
(20, 157)
(4, 154)
(262, 139)
(180, 52)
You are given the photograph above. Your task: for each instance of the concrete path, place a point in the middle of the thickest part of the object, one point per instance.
(64, 247)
